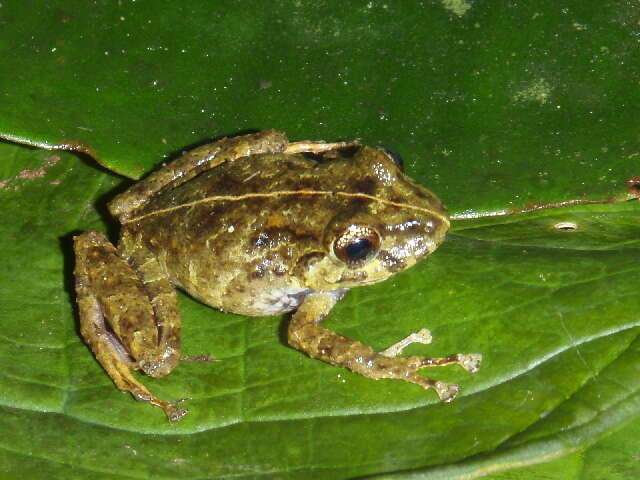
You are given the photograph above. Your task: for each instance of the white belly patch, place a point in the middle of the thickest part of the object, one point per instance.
(280, 300)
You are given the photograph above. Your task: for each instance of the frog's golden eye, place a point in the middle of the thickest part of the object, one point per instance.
(357, 244)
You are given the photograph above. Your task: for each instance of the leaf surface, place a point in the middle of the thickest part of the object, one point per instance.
(498, 108)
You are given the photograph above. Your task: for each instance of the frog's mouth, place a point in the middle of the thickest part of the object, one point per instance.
(363, 277)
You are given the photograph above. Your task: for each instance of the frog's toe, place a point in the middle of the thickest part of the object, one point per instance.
(446, 391)
(175, 414)
(470, 361)
(421, 336)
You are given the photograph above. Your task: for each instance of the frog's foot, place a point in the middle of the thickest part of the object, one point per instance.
(387, 364)
(406, 368)
(421, 336)
(119, 369)
(469, 361)
(173, 412)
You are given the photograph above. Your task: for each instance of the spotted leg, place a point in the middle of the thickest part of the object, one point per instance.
(307, 335)
(126, 321)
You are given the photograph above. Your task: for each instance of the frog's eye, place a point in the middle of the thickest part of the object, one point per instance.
(394, 156)
(357, 244)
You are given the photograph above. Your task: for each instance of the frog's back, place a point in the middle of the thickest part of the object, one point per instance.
(239, 230)
(249, 229)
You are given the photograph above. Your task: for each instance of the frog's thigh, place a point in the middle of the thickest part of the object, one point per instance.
(100, 275)
(193, 163)
(136, 300)
(163, 327)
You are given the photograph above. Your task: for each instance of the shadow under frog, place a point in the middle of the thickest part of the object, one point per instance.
(256, 225)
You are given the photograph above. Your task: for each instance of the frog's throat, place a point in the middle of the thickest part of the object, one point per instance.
(235, 198)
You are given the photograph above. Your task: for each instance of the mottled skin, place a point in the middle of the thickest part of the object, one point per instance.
(256, 225)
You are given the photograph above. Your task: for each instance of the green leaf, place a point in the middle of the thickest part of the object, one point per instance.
(557, 327)
(615, 457)
(498, 108)
(532, 103)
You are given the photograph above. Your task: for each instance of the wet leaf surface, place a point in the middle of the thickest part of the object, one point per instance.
(497, 109)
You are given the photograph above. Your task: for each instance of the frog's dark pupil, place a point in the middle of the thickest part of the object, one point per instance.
(359, 249)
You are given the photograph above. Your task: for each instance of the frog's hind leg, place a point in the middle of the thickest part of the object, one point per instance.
(318, 342)
(105, 288)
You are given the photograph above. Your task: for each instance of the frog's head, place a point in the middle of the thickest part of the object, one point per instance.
(385, 224)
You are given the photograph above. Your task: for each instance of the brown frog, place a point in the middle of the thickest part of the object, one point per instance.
(256, 225)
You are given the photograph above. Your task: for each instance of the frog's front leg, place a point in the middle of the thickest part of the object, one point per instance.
(318, 342)
(129, 317)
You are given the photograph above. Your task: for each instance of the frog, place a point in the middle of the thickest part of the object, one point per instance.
(257, 225)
